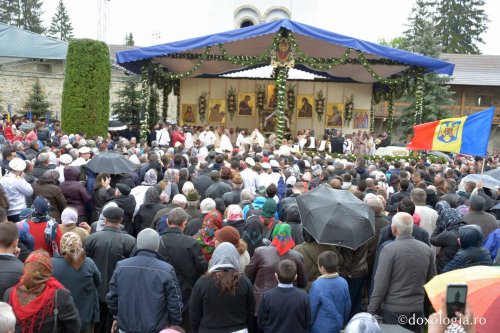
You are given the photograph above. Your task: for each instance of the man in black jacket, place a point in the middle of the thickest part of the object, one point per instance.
(184, 254)
(11, 268)
(125, 201)
(202, 181)
(234, 197)
(106, 248)
(337, 143)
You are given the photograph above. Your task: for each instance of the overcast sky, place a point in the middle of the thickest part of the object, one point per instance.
(177, 20)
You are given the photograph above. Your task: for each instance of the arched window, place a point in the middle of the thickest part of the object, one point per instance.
(246, 16)
(277, 13)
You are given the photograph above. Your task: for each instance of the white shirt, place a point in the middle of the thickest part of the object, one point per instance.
(16, 189)
(258, 138)
(189, 142)
(249, 179)
(207, 138)
(225, 143)
(263, 179)
(60, 168)
(162, 137)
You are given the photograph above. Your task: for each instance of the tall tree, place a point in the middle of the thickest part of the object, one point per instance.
(61, 27)
(128, 108)
(31, 16)
(85, 99)
(460, 24)
(129, 39)
(37, 101)
(10, 12)
(422, 38)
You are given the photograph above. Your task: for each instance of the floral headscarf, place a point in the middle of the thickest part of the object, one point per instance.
(150, 178)
(282, 238)
(206, 235)
(449, 219)
(234, 213)
(32, 298)
(71, 247)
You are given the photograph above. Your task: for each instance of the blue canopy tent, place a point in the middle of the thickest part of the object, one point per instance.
(285, 44)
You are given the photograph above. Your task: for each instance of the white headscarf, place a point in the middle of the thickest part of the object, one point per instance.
(363, 322)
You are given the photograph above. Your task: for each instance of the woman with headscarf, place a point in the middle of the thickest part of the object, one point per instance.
(445, 234)
(234, 218)
(46, 186)
(42, 304)
(45, 230)
(147, 210)
(169, 187)
(472, 252)
(206, 235)
(222, 300)
(101, 222)
(80, 275)
(363, 322)
(265, 260)
(266, 217)
(102, 192)
(75, 192)
(138, 192)
(69, 220)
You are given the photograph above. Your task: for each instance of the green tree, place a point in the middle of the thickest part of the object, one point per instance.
(61, 27)
(85, 100)
(129, 105)
(422, 39)
(31, 16)
(397, 43)
(37, 101)
(10, 12)
(460, 24)
(129, 39)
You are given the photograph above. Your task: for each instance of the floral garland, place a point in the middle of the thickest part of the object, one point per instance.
(280, 74)
(348, 108)
(320, 104)
(202, 105)
(231, 102)
(260, 101)
(290, 93)
(372, 114)
(419, 98)
(376, 158)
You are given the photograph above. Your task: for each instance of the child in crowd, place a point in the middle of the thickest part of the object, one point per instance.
(284, 308)
(329, 297)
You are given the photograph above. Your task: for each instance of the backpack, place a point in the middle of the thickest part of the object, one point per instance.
(4, 201)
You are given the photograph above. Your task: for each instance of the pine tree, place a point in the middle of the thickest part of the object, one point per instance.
(61, 27)
(129, 39)
(31, 16)
(10, 12)
(37, 101)
(422, 38)
(128, 108)
(460, 24)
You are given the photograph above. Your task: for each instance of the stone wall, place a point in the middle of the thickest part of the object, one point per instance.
(16, 83)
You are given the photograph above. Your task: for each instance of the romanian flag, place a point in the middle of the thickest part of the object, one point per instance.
(467, 135)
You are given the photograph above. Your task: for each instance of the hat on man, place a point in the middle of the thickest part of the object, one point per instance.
(274, 164)
(123, 188)
(84, 150)
(148, 239)
(17, 164)
(193, 195)
(237, 179)
(261, 190)
(269, 208)
(65, 159)
(266, 166)
(228, 234)
(250, 161)
(114, 213)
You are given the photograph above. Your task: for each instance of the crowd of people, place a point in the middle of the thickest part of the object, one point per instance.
(206, 235)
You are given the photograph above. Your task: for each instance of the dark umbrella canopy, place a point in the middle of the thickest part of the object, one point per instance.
(111, 163)
(116, 125)
(336, 217)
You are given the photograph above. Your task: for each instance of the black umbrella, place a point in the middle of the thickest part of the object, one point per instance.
(336, 217)
(116, 125)
(111, 163)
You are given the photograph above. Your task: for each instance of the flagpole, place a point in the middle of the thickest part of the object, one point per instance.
(482, 170)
